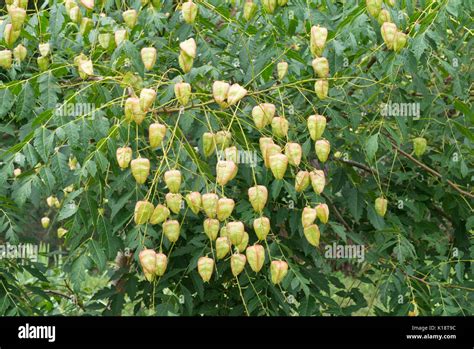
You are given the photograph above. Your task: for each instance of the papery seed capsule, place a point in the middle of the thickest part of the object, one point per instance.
(280, 126)
(171, 229)
(147, 260)
(321, 87)
(156, 134)
(282, 69)
(86, 26)
(294, 152)
(143, 212)
(6, 59)
(148, 55)
(222, 247)
(194, 201)
(322, 211)
(185, 62)
(10, 35)
(43, 63)
(20, 53)
(182, 91)
(244, 243)
(160, 214)
(381, 206)
(278, 165)
(189, 10)
(208, 143)
(316, 126)
(211, 228)
(61, 232)
(400, 41)
(45, 222)
(89, 4)
(161, 264)
(318, 180)
(269, 6)
(301, 181)
(205, 268)
(133, 111)
(249, 10)
(270, 150)
(262, 227)
(255, 257)
(388, 31)
(209, 204)
(75, 14)
(140, 169)
(235, 231)
(278, 271)
(223, 139)
(263, 142)
(225, 171)
(384, 16)
(105, 40)
(237, 263)
(130, 18)
(147, 98)
(223, 232)
(51, 201)
(174, 201)
(419, 146)
(374, 7)
(173, 180)
(258, 196)
(321, 67)
(188, 48)
(308, 216)
(220, 90)
(225, 206)
(263, 114)
(120, 36)
(85, 68)
(322, 148)
(235, 94)
(312, 234)
(318, 40)
(231, 154)
(17, 16)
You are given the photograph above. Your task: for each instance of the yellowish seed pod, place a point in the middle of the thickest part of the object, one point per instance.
(147, 260)
(161, 264)
(280, 126)
(140, 169)
(156, 134)
(237, 263)
(211, 228)
(258, 196)
(255, 257)
(225, 206)
(194, 201)
(321, 87)
(222, 247)
(322, 148)
(301, 181)
(261, 226)
(244, 243)
(318, 180)
(173, 180)
(143, 212)
(278, 271)
(312, 234)
(205, 268)
(148, 55)
(209, 204)
(171, 229)
(236, 232)
(316, 126)
(293, 152)
(318, 40)
(174, 202)
(278, 165)
(381, 206)
(308, 216)
(160, 214)
(322, 211)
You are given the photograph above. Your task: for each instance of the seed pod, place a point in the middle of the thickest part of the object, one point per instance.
(262, 227)
(278, 271)
(280, 126)
(17, 16)
(374, 7)
(86, 69)
(140, 169)
(316, 126)
(147, 260)
(156, 134)
(222, 247)
(147, 98)
(143, 212)
(173, 180)
(61, 232)
(293, 152)
(381, 206)
(133, 111)
(208, 143)
(318, 180)
(53, 201)
(68, 4)
(225, 171)
(6, 59)
(237, 263)
(235, 94)
(10, 35)
(244, 243)
(235, 231)
(194, 201)
(263, 142)
(225, 207)
(321, 67)
(323, 212)
(223, 139)
(282, 69)
(124, 156)
(45, 222)
(308, 216)
(185, 62)
(322, 147)
(256, 257)
(263, 114)
(223, 232)
(231, 154)
(400, 41)
(86, 26)
(301, 181)
(419, 146)
(174, 201)
(209, 204)
(269, 6)
(89, 4)
(161, 264)
(278, 165)
(188, 48)
(249, 10)
(312, 234)
(388, 31)
(205, 268)
(43, 63)
(384, 16)
(171, 229)
(189, 10)
(130, 18)
(321, 87)
(120, 36)
(270, 150)
(75, 14)
(148, 55)
(258, 196)
(211, 228)
(160, 214)
(318, 40)
(220, 90)
(182, 91)
(20, 53)
(105, 41)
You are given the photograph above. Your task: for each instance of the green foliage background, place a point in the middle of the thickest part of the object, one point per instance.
(420, 252)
